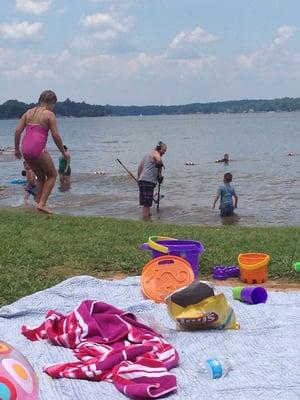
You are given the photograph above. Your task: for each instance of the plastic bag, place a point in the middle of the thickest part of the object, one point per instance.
(197, 307)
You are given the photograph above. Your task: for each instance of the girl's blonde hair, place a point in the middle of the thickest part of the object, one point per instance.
(48, 97)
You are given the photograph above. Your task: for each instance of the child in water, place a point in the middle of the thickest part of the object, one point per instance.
(64, 168)
(31, 181)
(225, 193)
(225, 159)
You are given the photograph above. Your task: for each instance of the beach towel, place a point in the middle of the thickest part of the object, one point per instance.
(111, 345)
(265, 351)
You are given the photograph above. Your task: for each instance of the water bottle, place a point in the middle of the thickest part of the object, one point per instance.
(216, 367)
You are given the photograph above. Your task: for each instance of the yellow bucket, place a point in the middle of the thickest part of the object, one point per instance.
(253, 267)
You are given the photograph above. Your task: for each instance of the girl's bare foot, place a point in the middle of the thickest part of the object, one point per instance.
(44, 209)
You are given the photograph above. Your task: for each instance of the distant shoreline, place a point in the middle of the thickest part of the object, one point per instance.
(11, 109)
(153, 115)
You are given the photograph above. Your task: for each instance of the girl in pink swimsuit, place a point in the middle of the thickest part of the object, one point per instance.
(38, 121)
(34, 141)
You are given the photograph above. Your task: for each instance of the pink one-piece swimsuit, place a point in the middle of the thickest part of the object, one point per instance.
(34, 141)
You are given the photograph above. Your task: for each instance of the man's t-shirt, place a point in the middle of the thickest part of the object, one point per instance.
(226, 192)
(149, 172)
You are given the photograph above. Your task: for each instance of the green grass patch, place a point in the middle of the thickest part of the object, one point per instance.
(38, 251)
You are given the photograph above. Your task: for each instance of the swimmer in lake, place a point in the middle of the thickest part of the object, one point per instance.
(224, 160)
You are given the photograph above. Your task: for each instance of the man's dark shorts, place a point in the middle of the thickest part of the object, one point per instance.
(226, 211)
(146, 193)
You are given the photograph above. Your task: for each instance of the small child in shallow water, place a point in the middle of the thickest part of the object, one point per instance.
(225, 193)
(31, 181)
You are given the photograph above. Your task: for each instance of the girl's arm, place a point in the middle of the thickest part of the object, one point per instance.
(56, 136)
(18, 133)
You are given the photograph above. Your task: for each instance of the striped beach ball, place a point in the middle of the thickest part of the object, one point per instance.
(18, 381)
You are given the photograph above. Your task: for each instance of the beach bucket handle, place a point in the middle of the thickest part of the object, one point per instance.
(259, 264)
(152, 243)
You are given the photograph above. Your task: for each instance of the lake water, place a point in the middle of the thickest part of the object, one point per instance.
(265, 177)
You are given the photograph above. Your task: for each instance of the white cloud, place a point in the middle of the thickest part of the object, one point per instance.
(104, 21)
(4, 56)
(104, 41)
(293, 57)
(110, 67)
(108, 34)
(96, 19)
(48, 65)
(142, 67)
(20, 30)
(196, 36)
(190, 45)
(63, 56)
(284, 33)
(62, 10)
(189, 68)
(107, 28)
(103, 1)
(152, 63)
(104, 66)
(247, 61)
(33, 6)
(29, 70)
(123, 3)
(287, 31)
(107, 31)
(160, 65)
(268, 53)
(97, 60)
(82, 42)
(44, 73)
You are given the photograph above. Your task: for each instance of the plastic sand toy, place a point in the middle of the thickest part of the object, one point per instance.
(297, 266)
(163, 275)
(253, 267)
(223, 272)
(249, 294)
(190, 250)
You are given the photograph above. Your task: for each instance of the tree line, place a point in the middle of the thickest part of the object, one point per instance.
(14, 108)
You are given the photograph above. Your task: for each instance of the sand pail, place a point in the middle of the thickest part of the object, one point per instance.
(253, 267)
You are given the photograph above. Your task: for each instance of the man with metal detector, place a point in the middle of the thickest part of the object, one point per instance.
(149, 173)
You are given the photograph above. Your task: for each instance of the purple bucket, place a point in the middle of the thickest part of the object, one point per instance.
(190, 250)
(254, 295)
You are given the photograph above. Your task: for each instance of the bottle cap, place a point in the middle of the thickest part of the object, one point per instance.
(216, 368)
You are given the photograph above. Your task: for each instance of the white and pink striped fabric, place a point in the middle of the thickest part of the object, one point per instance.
(110, 345)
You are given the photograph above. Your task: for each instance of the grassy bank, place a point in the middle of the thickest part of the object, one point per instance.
(38, 251)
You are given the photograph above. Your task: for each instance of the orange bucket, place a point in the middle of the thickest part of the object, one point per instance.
(163, 275)
(253, 267)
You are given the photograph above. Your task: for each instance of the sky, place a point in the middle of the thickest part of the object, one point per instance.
(145, 52)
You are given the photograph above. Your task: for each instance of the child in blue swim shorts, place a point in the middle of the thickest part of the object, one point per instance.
(226, 193)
